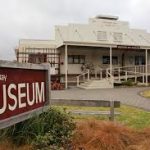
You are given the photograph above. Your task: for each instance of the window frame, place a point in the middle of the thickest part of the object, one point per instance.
(101, 36)
(137, 58)
(114, 58)
(76, 59)
(37, 58)
(117, 36)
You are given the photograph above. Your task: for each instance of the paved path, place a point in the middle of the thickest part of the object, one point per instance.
(128, 96)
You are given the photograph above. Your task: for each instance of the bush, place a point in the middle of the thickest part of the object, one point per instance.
(128, 83)
(51, 128)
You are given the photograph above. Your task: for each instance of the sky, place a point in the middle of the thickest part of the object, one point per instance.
(35, 19)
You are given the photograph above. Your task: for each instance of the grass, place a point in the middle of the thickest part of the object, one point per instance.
(7, 144)
(129, 116)
(132, 130)
(133, 117)
(104, 135)
(146, 93)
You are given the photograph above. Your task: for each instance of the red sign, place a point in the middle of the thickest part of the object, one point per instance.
(22, 91)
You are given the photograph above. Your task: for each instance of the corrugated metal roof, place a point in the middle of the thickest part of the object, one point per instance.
(115, 31)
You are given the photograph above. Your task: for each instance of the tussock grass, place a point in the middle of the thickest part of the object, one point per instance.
(7, 144)
(105, 135)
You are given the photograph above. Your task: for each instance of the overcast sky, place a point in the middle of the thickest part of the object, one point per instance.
(35, 19)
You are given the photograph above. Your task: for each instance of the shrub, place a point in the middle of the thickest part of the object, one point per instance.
(128, 83)
(51, 128)
(60, 127)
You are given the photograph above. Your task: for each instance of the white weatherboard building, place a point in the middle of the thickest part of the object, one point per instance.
(94, 55)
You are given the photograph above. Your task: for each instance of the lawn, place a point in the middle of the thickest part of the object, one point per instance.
(129, 116)
(145, 93)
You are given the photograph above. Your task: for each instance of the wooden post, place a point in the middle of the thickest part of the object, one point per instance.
(101, 74)
(112, 111)
(66, 66)
(143, 78)
(88, 74)
(126, 75)
(119, 74)
(106, 73)
(84, 77)
(146, 69)
(78, 81)
(135, 75)
(95, 74)
(110, 54)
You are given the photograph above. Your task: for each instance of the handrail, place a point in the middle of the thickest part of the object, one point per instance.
(138, 70)
(109, 73)
(135, 73)
(83, 74)
(100, 72)
(129, 66)
(111, 76)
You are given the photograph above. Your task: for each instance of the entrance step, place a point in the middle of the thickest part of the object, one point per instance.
(97, 84)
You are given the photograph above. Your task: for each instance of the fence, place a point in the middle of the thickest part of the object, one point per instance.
(90, 103)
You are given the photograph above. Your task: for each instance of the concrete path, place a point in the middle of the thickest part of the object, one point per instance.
(128, 96)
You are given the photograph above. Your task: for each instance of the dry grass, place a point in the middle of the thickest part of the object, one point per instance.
(8, 145)
(102, 135)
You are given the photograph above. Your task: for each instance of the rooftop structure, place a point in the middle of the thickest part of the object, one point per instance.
(102, 30)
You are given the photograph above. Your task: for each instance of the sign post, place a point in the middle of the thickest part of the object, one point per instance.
(24, 91)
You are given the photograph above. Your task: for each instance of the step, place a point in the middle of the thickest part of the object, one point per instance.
(96, 84)
(95, 87)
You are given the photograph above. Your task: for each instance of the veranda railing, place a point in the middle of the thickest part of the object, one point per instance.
(85, 76)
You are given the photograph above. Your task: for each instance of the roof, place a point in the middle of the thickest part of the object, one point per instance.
(103, 30)
(32, 43)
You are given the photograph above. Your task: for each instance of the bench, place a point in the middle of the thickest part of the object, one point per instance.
(90, 103)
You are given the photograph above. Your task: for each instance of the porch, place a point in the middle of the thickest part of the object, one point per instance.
(108, 63)
(106, 78)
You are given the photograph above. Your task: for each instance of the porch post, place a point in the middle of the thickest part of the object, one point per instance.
(66, 66)
(110, 54)
(146, 67)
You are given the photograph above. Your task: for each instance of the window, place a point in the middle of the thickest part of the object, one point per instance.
(70, 59)
(82, 59)
(76, 59)
(139, 60)
(117, 37)
(101, 36)
(106, 60)
(37, 58)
